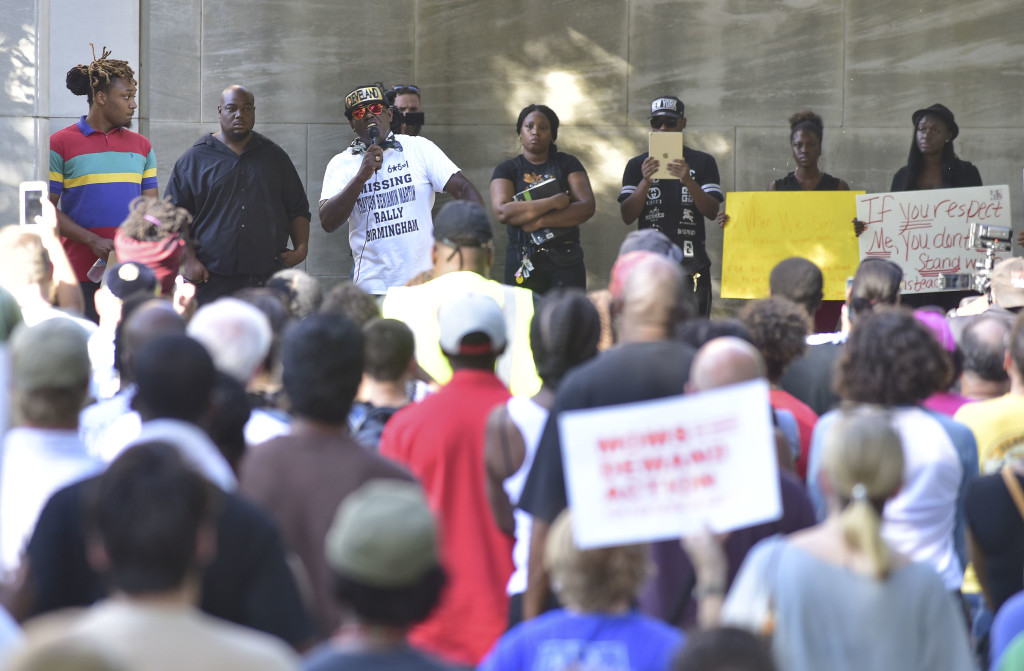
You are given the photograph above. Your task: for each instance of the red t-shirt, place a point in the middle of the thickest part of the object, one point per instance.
(805, 421)
(441, 440)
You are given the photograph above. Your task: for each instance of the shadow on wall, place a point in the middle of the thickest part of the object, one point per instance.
(590, 126)
(598, 125)
(18, 125)
(571, 94)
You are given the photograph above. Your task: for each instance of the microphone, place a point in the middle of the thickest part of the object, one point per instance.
(374, 134)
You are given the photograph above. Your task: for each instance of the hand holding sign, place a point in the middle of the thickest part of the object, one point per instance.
(926, 232)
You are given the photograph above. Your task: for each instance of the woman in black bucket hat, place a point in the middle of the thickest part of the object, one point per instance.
(932, 163)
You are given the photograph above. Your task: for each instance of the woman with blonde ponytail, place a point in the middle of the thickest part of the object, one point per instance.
(835, 596)
(863, 464)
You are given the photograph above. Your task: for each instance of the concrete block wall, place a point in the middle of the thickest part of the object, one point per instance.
(741, 66)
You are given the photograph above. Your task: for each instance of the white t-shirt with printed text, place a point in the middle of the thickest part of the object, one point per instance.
(390, 228)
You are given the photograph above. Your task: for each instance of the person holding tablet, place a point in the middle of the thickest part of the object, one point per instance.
(676, 207)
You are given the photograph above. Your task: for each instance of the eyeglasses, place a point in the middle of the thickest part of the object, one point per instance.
(405, 88)
(374, 109)
(659, 121)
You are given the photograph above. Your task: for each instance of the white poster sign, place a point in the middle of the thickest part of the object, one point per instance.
(660, 469)
(926, 232)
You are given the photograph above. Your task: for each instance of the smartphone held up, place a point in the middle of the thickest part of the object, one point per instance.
(30, 202)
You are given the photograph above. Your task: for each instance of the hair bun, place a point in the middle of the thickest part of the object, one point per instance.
(806, 116)
(77, 80)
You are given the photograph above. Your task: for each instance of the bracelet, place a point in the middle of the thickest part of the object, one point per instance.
(703, 591)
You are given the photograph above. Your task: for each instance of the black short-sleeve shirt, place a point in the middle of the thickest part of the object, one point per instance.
(670, 208)
(524, 174)
(242, 204)
(623, 374)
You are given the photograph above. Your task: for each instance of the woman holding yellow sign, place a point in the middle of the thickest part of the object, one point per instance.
(806, 130)
(805, 133)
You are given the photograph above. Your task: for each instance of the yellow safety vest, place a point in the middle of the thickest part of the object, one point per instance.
(417, 307)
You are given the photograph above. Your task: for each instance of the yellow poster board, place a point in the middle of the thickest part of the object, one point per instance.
(766, 227)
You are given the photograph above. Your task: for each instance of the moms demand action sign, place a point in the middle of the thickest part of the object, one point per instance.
(660, 469)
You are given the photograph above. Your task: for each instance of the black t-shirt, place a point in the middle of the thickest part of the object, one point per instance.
(248, 582)
(809, 377)
(623, 374)
(670, 207)
(998, 530)
(524, 174)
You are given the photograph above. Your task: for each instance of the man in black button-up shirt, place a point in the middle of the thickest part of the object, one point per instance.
(247, 200)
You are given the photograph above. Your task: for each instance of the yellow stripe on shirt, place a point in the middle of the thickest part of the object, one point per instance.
(104, 178)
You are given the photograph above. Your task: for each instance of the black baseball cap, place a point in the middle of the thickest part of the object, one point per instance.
(463, 223)
(125, 279)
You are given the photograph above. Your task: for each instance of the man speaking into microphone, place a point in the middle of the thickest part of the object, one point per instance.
(383, 184)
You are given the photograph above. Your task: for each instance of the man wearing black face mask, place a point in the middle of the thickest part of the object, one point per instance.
(383, 184)
(246, 199)
(676, 207)
(407, 102)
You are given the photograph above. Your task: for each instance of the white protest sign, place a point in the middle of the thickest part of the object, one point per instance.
(660, 469)
(926, 232)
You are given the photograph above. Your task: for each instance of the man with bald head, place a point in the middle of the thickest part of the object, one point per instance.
(721, 362)
(729, 360)
(998, 423)
(725, 361)
(983, 344)
(648, 300)
(246, 200)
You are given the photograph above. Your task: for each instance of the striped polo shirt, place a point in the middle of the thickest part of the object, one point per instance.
(96, 176)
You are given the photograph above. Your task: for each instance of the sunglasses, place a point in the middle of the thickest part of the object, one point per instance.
(374, 109)
(659, 121)
(406, 88)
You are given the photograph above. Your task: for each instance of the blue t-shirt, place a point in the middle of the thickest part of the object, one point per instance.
(560, 639)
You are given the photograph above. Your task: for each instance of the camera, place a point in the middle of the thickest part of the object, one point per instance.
(985, 236)
(981, 238)
(397, 117)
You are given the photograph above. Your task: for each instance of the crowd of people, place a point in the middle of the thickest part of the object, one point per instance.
(228, 464)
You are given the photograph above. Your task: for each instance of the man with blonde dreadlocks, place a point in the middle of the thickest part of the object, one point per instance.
(98, 166)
